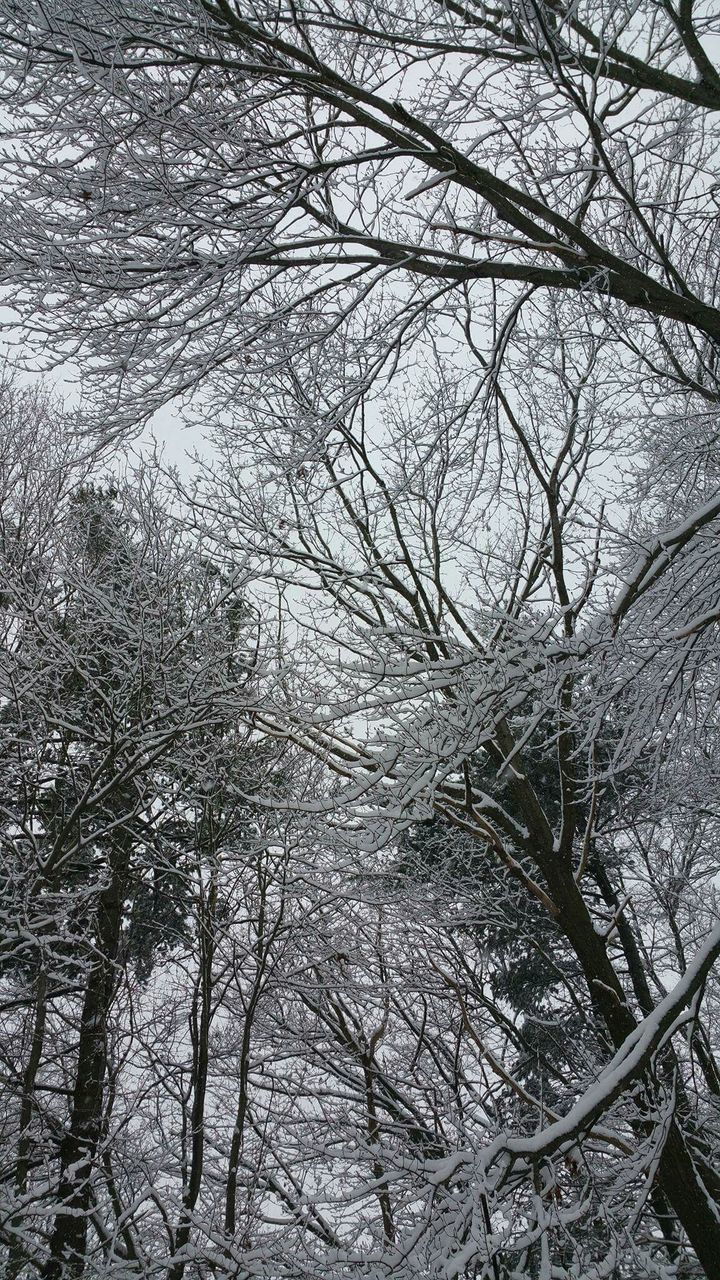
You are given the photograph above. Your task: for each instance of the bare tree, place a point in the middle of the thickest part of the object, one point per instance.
(444, 278)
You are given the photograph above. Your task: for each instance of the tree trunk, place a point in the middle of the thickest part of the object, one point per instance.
(200, 1035)
(68, 1238)
(678, 1177)
(16, 1257)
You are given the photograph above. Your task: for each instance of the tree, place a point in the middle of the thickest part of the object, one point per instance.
(126, 658)
(444, 277)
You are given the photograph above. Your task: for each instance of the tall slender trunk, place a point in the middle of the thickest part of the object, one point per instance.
(266, 934)
(238, 1134)
(378, 1170)
(68, 1237)
(16, 1257)
(200, 1034)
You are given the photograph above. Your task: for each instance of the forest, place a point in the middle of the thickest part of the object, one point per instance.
(359, 759)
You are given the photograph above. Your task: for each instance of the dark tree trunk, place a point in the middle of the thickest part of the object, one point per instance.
(16, 1257)
(679, 1177)
(68, 1238)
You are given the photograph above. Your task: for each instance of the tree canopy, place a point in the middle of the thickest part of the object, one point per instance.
(378, 757)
